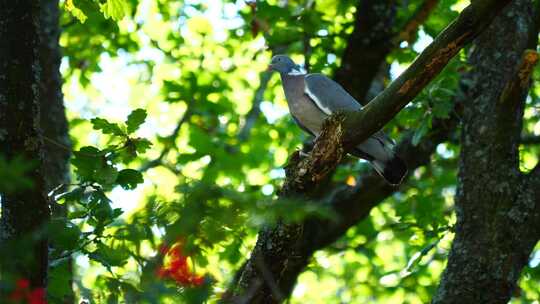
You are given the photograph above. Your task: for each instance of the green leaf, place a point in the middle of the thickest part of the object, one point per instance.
(442, 108)
(129, 179)
(106, 175)
(103, 214)
(106, 127)
(109, 256)
(59, 279)
(64, 234)
(135, 119)
(77, 214)
(100, 207)
(86, 161)
(142, 144)
(424, 128)
(114, 9)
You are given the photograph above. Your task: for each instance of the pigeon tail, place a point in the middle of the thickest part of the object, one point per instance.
(393, 169)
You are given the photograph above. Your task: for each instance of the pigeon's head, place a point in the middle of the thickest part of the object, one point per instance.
(282, 64)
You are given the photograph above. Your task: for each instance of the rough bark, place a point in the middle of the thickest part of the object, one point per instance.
(282, 251)
(52, 112)
(498, 219)
(24, 212)
(53, 122)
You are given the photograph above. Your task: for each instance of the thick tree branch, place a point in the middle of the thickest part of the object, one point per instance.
(351, 204)
(470, 23)
(510, 105)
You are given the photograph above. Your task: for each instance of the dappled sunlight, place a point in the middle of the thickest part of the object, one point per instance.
(187, 180)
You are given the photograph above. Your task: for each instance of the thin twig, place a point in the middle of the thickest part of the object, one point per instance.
(530, 140)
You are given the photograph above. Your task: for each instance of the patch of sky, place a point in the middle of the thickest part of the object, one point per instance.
(535, 259)
(322, 33)
(277, 173)
(267, 189)
(443, 151)
(423, 41)
(272, 112)
(331, 58)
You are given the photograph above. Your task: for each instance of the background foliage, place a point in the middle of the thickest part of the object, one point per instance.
(159, 94)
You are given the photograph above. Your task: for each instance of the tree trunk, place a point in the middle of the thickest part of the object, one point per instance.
(24, 212)
(498, 218)
(53, 118)
(55, 127)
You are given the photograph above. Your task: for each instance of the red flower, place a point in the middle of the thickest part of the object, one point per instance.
(176, 268)
(37, 296)
(22, 284)
(23, 294)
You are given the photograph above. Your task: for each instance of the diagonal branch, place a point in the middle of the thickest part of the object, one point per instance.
(469, 24)
(358, 126)
(373, 38)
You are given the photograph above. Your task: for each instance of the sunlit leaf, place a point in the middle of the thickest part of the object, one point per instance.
(114, 9)
(76, 12)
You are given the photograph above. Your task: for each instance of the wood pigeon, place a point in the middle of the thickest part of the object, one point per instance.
(313, 97)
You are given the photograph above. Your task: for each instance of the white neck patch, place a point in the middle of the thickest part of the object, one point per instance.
(296, 71)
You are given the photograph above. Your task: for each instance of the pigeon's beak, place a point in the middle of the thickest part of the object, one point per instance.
(270, 68)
